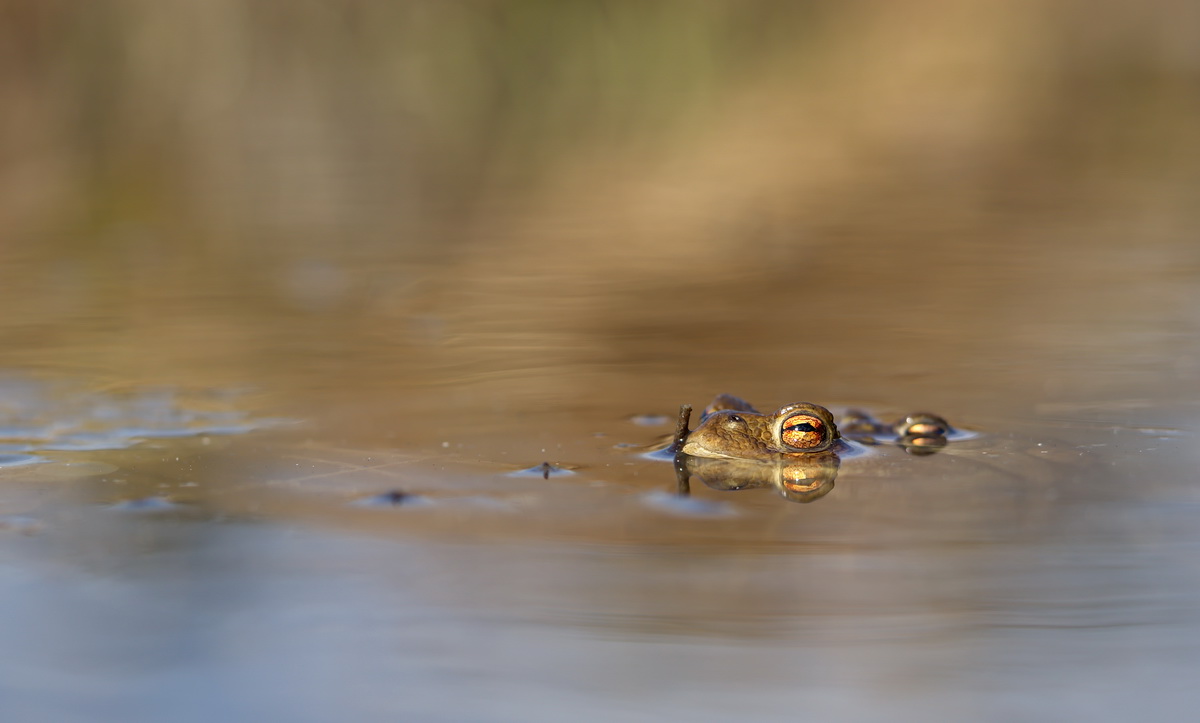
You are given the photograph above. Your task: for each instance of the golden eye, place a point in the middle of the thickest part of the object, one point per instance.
(923, 424)
(803, 428)
(802, 431)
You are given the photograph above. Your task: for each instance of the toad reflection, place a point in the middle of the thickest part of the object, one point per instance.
(798, 480)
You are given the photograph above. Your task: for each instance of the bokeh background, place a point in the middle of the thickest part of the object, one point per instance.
(537, 204)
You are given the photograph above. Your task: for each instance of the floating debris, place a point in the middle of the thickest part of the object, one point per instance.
(391, 498)
(545, 470)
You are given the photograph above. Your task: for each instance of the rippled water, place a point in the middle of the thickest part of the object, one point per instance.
(329, 370)
(1015, 575)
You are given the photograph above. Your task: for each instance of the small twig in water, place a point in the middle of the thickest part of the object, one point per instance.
(681, 428)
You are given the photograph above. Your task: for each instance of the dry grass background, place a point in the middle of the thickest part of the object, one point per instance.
(531, 194)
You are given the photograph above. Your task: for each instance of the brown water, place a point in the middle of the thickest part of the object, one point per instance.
(265, 267)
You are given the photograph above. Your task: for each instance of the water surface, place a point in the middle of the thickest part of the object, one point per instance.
(281, 338)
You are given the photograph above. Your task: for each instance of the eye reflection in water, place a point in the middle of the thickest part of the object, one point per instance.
(801, 480)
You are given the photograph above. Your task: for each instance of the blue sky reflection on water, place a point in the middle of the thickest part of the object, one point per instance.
(245, 619)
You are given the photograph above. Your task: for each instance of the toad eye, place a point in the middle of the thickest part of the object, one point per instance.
(736, 418)
(803, 431)
(923, 424)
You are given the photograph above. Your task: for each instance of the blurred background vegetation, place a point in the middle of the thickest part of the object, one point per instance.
(342, 190)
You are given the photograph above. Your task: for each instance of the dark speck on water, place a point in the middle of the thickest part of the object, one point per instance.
(395, 497)
(391, 498)
(545, 470)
